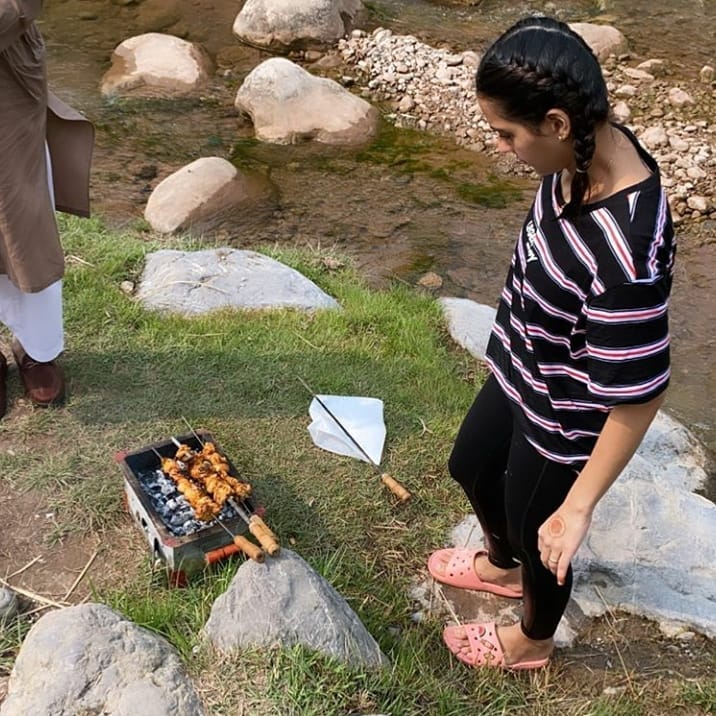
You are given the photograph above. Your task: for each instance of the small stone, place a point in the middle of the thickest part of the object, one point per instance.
(638, 75)
(625, 91)
(696, 173)
(678, 144)
(127, 287)
(406, 104)
(470, 59)
(654, 137)
(697, 203)
(332, 264)
(653, 67)
(622, 112)
(614, 690)
(706, 74)
(8, 604)
(430, 280)
(679, 98)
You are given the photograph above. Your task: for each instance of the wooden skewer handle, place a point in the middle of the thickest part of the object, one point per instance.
(251, 550)
(395, 487)
(264, 527)
(263, 534)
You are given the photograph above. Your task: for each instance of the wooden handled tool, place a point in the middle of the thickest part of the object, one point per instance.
(251, 550)
(258, 528)
(395, 487)
(388, 480)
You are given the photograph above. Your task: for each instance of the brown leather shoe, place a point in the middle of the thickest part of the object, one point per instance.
(44, 382)
(3, 385)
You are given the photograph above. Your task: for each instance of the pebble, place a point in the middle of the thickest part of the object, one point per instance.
(439, 92)
(8, 604)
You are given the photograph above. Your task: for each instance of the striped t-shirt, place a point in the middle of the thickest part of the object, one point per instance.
(582, 321)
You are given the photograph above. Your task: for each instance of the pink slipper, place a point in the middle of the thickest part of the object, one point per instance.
(485, 648)
(460, 572)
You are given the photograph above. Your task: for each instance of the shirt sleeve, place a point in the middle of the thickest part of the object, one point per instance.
(627, 332)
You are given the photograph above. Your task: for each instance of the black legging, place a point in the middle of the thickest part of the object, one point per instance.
(513, 490)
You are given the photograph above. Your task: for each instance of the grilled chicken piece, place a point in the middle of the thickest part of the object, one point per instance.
(204, 507)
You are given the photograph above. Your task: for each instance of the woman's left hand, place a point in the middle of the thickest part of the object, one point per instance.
(559, 538)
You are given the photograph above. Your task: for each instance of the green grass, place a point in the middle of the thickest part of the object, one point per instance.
(135, 377)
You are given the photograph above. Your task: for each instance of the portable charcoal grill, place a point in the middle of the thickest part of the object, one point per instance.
(186, 545)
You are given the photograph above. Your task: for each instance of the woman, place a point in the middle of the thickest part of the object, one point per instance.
(41, 139)
(579, 353)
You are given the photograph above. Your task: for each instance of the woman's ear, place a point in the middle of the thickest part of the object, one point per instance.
(558, 124)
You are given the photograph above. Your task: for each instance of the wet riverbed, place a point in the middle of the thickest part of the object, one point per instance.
(409, 204)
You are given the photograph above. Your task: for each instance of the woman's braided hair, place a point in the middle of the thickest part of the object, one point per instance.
(541, 64)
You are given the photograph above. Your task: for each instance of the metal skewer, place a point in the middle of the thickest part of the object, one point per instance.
(247, 547)
(258, 528)
(388, 480)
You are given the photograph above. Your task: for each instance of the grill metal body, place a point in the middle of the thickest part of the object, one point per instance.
(184, 556)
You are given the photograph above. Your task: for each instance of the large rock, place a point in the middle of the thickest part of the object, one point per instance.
(282, 25)
(651, 551)
(194, 282)
(198, 195)
(469, 323)
(604, 40)
(288, 104)
(285, 602)
(154, 64)
(89, 660)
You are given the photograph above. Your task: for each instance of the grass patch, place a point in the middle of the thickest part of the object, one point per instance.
(134, 376)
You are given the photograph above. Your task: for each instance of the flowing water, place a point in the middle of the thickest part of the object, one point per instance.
(408, 204)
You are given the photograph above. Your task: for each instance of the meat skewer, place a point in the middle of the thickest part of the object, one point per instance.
(258, 528)
(205, 508)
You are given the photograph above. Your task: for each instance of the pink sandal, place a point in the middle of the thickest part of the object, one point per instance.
(485, 648)
(460, 572)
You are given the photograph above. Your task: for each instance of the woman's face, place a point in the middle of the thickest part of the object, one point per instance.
(547, 150)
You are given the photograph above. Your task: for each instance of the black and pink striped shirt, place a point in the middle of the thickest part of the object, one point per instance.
(582, 322)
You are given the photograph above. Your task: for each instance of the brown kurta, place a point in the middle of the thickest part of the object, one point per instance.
(30, 250)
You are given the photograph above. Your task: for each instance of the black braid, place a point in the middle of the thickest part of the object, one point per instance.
(540, 64)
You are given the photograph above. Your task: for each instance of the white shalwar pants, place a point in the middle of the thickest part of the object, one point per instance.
(35, 319)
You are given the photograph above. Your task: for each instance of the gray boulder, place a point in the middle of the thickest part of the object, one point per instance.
(283, 602)
(469, 323)
(282, 25)
(288, 105)
(194, 282)
(89, 660)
